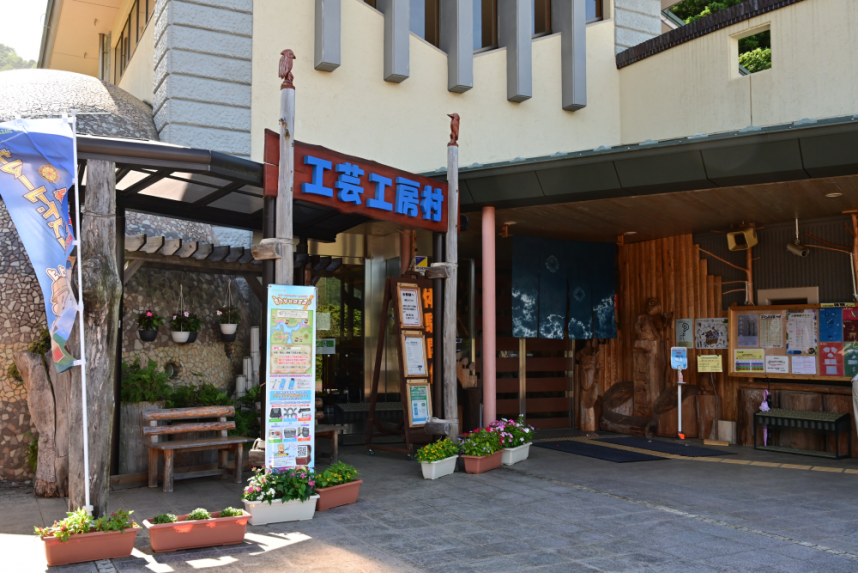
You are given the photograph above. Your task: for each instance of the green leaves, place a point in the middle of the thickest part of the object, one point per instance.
(10, 60)
(199, 514)
(231, 512)
(149, 320)
(80, 521)
(337, 474)
(143, 384)
(269, 484)
(164, 518)
(439, 450)
(756, 60)
(480, 442)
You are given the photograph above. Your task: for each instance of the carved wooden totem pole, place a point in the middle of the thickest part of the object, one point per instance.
(650, 357)
(588, 360)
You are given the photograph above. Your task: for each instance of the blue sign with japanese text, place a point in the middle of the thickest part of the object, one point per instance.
(679, 358)
(36, 171)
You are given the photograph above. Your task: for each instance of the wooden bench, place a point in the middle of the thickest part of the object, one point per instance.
(825, 422)
(223, 443)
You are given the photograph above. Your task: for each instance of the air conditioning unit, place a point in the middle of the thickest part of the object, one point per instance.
(743, 239)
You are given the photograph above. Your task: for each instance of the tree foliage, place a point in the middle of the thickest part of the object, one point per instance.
(10, 60)
(756, 60)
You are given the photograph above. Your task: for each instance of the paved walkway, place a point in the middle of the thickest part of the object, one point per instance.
(556, 512)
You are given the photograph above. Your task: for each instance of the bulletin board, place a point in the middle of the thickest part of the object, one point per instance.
(807, 342)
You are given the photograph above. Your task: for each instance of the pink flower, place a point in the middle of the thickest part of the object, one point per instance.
(219, 313)
(187, 314)
(312, 483)
(148, 314)
(174, 317)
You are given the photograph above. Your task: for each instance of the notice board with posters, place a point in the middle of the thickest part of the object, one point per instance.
(807, 342)
(290, 397)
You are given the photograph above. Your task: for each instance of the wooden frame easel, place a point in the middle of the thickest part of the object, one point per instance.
(375, 428)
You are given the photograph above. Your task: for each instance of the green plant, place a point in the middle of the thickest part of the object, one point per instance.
(228, 315)
(512, 433)
(436, 451)
(42, 344)
(231, 512)
(199, 514)
(13, 373)
(164, 518)
(756, 60)
(480, 442)
(693, 10)
(337, 474)
(192, 396)
(246, 422)
(143, 384)
(32, 455)
(185, 322)
(80, 521)
(274, 483)
(149, 320)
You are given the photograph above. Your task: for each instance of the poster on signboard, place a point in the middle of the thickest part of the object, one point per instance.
(801, 334)
(414, 354)
(685, 332)
(711, 333)
(777, 364)
(748, 331)
(709, 363)
(419, 403)
(748, 361)
(410, 311)
(290, 401)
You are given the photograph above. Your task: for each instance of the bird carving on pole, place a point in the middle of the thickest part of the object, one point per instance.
(454, 129)
(287, 58)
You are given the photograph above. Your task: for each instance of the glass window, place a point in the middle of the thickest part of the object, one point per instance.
(594, 10)
(485, 24)
(116, 54)
(371, 3)
(424, 20)
(132, 30)
(141, 18)
(541, 12)
(150, 7)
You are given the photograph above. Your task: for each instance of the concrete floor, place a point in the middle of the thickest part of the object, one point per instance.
(556, 512)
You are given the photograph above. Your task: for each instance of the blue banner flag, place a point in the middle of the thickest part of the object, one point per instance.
(36, 171)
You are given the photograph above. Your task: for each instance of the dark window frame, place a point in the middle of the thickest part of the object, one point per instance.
(129, 37)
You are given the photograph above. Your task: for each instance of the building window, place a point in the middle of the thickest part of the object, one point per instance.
(594, 10)
(485, 24)
(541, 12)
(425, 16)
(132, 32)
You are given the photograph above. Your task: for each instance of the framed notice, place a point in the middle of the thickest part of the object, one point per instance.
(410, 307)
(419, 403)
(414, 354)
(709, 363)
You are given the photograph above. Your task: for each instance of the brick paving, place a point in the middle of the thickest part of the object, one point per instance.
(555, 512)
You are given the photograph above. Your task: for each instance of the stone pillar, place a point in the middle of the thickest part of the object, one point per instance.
(203, 52)
(635, 22)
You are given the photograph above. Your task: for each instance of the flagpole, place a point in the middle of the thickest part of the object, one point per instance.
(82, 361)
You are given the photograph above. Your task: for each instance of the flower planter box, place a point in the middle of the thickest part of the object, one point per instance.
(148, 335)
(515, 455)
(441, 468)
(338, 495)
(164, 537)
(180, 337)
(192, 337)
(261, 512)
(481, 464)
(90, 547)
(228, 328)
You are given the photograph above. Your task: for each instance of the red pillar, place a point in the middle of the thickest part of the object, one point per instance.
(489, 364)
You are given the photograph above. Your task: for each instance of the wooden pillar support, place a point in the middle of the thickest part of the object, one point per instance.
(283, 267)
(102, 290)
(451, 401)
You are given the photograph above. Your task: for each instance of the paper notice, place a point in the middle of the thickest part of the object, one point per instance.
(748, 330)
(771, 331)
(777, 364)
(748, 361)
(804, 365)
(801, 335)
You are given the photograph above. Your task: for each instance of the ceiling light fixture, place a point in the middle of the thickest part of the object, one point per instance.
(630, 233)
(833, 195)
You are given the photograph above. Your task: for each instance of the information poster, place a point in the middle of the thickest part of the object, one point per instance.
(685, 332)
(804, 365)
(711, 333)
(777, 364)
(708, 363)
(411, 312)
(830, 325)
(831, 359)
(415, 355)
(850, 359)
(748, 361)
(290, 401)
(748, 331)
(419, 408)
(801, 334)
(771, 331)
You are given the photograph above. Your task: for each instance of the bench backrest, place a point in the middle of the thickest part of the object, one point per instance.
(152, 417)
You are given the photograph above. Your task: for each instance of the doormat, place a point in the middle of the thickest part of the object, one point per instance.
(599, 452)
(675, 448)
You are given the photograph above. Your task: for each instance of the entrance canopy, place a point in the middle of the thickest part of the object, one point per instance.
(200, 185)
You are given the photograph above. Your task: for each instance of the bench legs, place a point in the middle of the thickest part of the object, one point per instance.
(168, 471)
(335, 448)
(223, 462)
(239, 461)
(153, 468)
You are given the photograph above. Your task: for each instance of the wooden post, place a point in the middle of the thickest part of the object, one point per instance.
(438, 326)
(489, 318)
(102, 289)
(283, 267)
(451, 404)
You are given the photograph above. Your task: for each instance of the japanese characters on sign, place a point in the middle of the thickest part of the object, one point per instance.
(358, 186)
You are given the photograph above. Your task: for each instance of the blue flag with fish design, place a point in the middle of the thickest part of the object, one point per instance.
(36, 172)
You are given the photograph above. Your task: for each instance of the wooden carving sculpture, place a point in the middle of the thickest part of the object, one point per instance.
(588, 360)
(650, 357)
(287, 58)
(454, 129)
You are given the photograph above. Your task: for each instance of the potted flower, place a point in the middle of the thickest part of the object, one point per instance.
(80, 538)
(438, 459)
(276, 495)
(338, 485)
(149, 323)
(228, 319)
(194, 325)
(481, 451)
(168, 532)
(515, 439)
(180, 327)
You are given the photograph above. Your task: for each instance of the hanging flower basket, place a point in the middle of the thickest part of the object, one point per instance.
(180, 337)
(192, 337)
(149, 322)
(228, 317)
(184, 323)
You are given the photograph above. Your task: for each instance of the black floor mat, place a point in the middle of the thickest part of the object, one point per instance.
(598, 452)
(675, 448)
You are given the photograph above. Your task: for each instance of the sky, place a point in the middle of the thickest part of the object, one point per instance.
(24, 31)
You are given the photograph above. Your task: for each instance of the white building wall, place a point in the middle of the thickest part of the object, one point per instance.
(203, 72)
(636, 22)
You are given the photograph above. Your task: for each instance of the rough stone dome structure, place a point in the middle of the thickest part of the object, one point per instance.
(102, 108)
